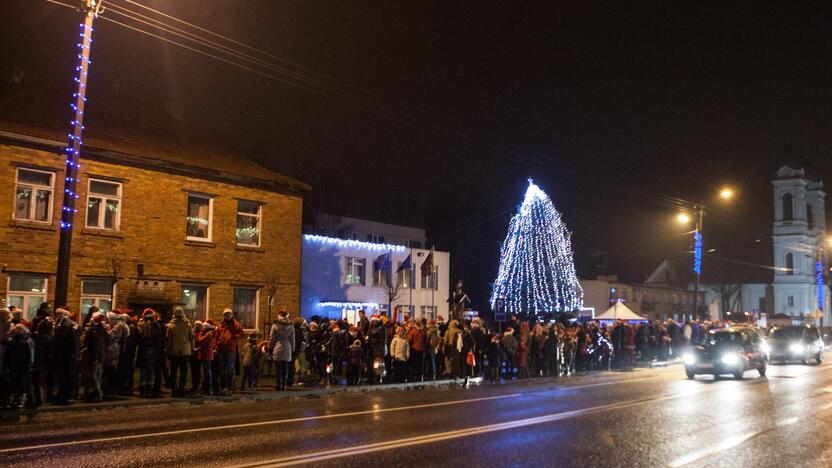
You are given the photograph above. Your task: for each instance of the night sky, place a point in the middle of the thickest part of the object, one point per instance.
(609, 106)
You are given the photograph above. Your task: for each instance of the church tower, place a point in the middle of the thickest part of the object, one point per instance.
(799, 237)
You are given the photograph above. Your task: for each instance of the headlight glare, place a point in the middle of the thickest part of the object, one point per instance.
(797, 348)
(688, 359)
(730, 359)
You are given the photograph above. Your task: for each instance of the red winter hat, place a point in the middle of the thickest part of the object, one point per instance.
(375, 317)
(353, 328)
(432, 323)
(147, 312)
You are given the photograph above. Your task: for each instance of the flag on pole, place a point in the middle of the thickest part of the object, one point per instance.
(407, 264)
(428, 268)
(383, 262)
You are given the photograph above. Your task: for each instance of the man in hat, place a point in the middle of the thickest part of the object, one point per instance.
(228, 332)
(67, 346)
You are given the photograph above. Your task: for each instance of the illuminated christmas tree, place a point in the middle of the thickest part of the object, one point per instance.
(537, 272)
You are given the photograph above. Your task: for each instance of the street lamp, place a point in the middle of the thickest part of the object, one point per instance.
(726, 193)
(683, 218)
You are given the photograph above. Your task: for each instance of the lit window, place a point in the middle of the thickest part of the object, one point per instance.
(195, 301)
(381, 276)
(27, 292)
(245, 307)
(248, 223)
(428, 312)
(199, 217)
(103, 204)
(405, 278)
(97, 292)
(33, 195)
(355, 271)
(431, 281)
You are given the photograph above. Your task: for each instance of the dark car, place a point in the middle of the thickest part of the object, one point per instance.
(795, 343)
(726, 351)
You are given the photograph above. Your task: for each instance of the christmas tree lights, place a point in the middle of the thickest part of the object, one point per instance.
(537, 272)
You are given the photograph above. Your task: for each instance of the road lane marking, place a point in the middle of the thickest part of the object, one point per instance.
(308, 418)
(449, 435)
(726, 444)
(255, 424)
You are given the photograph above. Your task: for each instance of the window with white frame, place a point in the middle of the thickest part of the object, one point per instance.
(103, 204)
(790, 301)
(428, 312)
(431, 281)
(33, 195)
(405, 277)
(195, 301)
(375, 238)
(248, 223)
(27, 292)
(355, 270)
(381, 275)
(245, 307)
(199, 217)
(97, 292)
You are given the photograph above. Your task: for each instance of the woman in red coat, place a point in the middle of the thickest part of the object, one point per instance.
(522, 357)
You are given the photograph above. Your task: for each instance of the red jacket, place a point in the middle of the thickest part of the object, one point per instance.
(227, 335)
(206, 341)
(416, 339)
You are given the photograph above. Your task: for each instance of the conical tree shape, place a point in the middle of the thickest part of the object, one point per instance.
(537, 271)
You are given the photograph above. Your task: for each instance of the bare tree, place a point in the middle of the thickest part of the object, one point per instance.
(114, 266)
(394, 291)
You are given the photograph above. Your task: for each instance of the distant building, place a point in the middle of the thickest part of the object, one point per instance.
(157, 225)
(653, 300)
(343, 271)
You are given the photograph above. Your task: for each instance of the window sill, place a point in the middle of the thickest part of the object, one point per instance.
(250, 248)
(195, 243)
(33, 225)
(102, 233)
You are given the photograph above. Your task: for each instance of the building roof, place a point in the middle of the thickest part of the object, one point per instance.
(788, 157)
(119, 127)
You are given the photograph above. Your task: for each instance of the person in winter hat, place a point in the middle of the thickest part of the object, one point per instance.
(179, 344)
(43, 332)
(17, 364)
(509, 344)
(494, 355)
(228, 332)
(355, 362)
(67, 346)
(376, 344)
(93, 355)
(400, 353)
(5, 334)
(118, 333)
(250, 358)
(151, 353)
(281, 346)
(434, 343)
(194, 363)
(206, 341)
(127, 359)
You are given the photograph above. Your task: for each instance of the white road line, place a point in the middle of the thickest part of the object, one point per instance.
(255, 424)
(441, 436)
(309, 418)
(726, 444)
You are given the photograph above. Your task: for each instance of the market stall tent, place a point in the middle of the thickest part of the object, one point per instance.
(619, 311)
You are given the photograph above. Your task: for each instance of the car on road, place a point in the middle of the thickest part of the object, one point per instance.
(795, 343)
(726, 351)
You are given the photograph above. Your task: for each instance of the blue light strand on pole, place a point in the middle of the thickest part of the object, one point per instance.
(820, 283)
(697, 252)
(537, 271)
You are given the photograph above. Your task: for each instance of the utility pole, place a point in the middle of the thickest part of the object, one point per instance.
(90, 9)
(697, 260)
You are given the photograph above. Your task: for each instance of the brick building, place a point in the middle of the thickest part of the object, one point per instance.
(157, 225)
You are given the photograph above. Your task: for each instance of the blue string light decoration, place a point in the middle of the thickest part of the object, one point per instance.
(819, 278)
(537, 271)
(697, 252)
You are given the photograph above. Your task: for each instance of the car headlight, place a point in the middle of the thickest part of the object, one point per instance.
(688, 359)
(797, 348)
(764, 347)
(730, 359)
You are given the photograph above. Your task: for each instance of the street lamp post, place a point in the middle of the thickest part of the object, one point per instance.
(697, 259)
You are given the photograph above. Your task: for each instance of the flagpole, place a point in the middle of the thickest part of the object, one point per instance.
(412, 283)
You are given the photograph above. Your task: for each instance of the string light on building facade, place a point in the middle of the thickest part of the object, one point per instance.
(537, 271)
(353, 244)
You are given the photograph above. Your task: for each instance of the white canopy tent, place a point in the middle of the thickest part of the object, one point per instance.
(619, 311)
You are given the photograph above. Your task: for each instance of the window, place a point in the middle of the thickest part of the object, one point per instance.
(33, 195)
(789, 263)
(103, 203)
(27, 292)
(199, 217)
(405, 278)
(97, 292)
(414, 244)
(354, 236)
(788, 207)
(810, 216)
(790, 301)
(431, 281)
(355, 271)
(245, 307)
(381, 276)
(248, 223)
(428, 312)
(375, 238)
(195, 301)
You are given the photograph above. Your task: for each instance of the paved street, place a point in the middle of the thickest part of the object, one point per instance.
(641, 418)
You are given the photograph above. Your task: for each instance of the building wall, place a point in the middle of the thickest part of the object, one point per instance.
(150, 246)
(370, 231)
(324, 278)
(651, 302)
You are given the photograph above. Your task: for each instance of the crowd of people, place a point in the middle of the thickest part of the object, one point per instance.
(59, 357)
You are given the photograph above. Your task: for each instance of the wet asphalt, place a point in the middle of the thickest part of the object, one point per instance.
(650, 417)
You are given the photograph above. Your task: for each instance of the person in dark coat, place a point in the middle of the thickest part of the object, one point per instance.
(355, 362)
(550, 353)
(93, 354)
(363, 323)
(300, 345)
(127, 360)
(336, 351)
(493, 353)
(67, 347)
(17, 364)
(281, 347)
(150, 353)
(481, 343)
(376, 347)
(43, 332)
